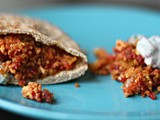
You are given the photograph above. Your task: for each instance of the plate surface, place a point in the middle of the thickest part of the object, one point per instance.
(98, 96)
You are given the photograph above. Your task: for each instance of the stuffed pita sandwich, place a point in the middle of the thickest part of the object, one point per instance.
(33, 50)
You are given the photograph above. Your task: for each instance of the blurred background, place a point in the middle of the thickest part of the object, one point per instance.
(11, 5)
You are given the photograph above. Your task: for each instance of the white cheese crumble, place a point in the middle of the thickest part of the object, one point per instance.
(149, 48)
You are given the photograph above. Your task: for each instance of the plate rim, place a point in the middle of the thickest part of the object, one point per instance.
(26, 111)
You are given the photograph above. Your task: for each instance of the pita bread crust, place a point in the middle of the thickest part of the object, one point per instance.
(48, 34)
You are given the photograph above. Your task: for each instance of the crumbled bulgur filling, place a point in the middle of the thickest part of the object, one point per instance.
(129, 68)
(28, 60)
(47, 96)
(102, 64)
(34, 91)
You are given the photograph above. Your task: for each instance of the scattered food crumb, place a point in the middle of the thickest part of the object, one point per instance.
(47, 96)
(34, 91)
(77, 85)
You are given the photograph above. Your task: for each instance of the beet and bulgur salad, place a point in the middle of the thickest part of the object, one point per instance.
(126, 65)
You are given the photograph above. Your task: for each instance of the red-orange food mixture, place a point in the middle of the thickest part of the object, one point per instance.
(76, 85)
(102, 64)
(28, 60)
(129, 68)
(34, 91)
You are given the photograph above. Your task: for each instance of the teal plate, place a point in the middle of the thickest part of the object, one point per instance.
(98, 96)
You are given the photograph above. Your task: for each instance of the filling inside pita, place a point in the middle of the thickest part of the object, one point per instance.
(26, 59)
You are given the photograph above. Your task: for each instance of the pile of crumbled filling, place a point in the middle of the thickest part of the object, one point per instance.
(102, 64)
(34, 91)
(27, 60)
(129, 68)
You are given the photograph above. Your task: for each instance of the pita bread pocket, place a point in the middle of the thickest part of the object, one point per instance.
(34, 50)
